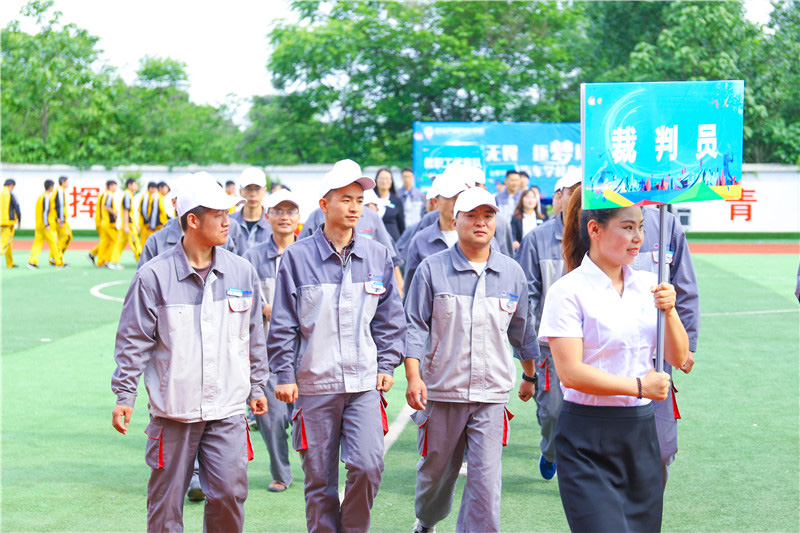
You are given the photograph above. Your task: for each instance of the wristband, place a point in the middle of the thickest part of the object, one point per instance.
(639, 384)
(529, 379)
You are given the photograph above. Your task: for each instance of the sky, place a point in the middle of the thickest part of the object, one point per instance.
(224, 44)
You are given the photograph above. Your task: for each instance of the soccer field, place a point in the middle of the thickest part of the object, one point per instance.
(65, 469)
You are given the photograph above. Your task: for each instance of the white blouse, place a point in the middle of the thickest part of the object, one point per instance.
(618, 331)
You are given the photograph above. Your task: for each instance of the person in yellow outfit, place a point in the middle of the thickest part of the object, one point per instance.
(128, 233)
(144, 212)
(105, 218)
(9, 216)
(158, 212)
(63, 231)
(45, 228)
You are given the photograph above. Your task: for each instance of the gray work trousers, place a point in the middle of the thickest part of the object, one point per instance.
(222, 448)
(548, 402)
(448, 433)
(273, 425)
(322, 424)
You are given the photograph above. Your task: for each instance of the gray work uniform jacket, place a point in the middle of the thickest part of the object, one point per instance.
(540, 257)
(260, 233)
(200, 345)
(460, 324)
(264, 258)
(334, 326)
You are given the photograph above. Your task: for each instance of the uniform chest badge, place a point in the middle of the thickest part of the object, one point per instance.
(669, 255)
(508, 302)
(374, 287)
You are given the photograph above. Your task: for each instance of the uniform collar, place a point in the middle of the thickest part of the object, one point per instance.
(173, 229)
(594, 273)
(184, 269)
(238, 216)
(461, 263)
(272, 248)
(326, 250)
(559, 222)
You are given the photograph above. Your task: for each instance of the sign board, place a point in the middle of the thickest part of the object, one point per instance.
(661, 142)
(544, 151)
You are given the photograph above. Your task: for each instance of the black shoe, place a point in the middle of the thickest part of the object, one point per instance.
(31, 266)
(91, 258)
(51, 261)
(195, 493)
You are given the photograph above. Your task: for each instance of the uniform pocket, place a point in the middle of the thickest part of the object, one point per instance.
(154, 451)
(240, 304)
(444, 306)
(420, 418)
(299, 441)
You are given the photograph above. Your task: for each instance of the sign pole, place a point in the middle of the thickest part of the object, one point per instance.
(662, 277)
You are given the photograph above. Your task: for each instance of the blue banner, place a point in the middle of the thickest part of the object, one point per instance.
(661, 142)
(544, 151)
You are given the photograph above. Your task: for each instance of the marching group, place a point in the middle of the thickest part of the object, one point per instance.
(235, 306)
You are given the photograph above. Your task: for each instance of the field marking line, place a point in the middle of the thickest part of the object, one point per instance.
(395, 429)
(768, 312)
(95, 291)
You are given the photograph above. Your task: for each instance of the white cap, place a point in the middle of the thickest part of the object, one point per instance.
(371, 198)
(252, 176)
(570, 178)
(472, 198)
(203, 191)
(469, 174)
(433, 190)
(344, 173)
(182, 183)
(282, 195)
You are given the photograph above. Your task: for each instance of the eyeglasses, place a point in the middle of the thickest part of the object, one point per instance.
(281, 212)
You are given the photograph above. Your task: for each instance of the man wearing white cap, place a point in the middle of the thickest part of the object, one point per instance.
(540, 257)
(170, 233)
(464, 306)
(191, 324)
(283, 213)
(336, 334)
(251, 218)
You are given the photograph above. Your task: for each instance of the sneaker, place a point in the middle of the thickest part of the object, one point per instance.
(61, 267)
(546, 468)
(31, 266)
(91, 258)
(115, 266)
(419, 528)
(195, 492)
(51, 261)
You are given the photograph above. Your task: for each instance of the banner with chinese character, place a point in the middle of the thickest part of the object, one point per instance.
(544, 151)
(661, 142)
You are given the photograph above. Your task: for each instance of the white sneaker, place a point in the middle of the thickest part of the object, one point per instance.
(115, 266)
(419, 528)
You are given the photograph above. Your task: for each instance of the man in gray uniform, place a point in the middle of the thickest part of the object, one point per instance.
(464, 306)
(540, 257)
(251, 219)
(190, 324)
(336, 334)
(283, 214)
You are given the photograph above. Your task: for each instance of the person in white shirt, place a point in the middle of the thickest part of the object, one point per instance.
(600, 322)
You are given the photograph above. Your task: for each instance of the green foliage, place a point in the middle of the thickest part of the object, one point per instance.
(59, 106)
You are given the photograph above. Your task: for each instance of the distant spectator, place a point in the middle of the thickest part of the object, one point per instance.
(392, 212)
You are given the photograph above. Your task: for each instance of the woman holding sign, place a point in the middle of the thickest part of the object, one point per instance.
(600, 322)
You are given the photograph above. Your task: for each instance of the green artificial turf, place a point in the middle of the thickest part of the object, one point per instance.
(65, 469)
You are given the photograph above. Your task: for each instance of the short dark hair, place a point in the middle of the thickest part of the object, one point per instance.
(109, 183)
(512, 171)
(523, 173)
(48, 184)
(230, 182)
(152, 185)
(62, 179)
(162, 184)
(9, 182)
(198, 211)
(129, 181)
(407, 169)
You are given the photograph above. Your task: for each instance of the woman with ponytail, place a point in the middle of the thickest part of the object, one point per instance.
(600, 322)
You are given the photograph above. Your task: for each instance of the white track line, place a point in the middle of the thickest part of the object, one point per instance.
(768, 312)
(95, 291)
(395, 429)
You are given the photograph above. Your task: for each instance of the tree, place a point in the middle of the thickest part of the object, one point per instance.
(369, 69)
(157, 72)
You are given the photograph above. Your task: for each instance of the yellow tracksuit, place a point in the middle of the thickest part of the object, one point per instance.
(132, 236)
(63, 231)
(144, 217)
(106, 228)
(7, 221)
(45, 232)
(158, 215)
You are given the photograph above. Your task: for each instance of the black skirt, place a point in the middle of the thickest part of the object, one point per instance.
(609, 468)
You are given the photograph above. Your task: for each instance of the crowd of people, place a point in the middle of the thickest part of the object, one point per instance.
(237, 311)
